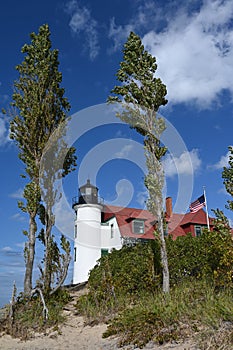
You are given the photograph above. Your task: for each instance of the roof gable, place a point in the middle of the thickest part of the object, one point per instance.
(125, 218)
(196, 218)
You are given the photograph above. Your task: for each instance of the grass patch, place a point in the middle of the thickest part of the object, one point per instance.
(194, 306)
(28, 315)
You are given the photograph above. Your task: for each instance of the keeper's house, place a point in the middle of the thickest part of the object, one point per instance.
(99, 228)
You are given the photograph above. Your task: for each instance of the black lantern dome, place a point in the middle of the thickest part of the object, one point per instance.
(88, 194)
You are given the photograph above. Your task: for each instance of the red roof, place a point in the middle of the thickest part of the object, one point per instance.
(125, 216)
(196, 218)
(176, 223)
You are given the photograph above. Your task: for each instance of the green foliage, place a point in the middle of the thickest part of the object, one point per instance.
(208, 256)
(126, 271)
(28, 314)
(184, 258)
(137, 75)
(188, 307)
(125, 289)
(141, 95)
(39, 99)
(56, 260)
(40, 111)
(133, 270)
(227, 176)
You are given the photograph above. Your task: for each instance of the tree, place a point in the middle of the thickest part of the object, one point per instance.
(141, 94)
(63, 162)
(40, 107)
(227, 176)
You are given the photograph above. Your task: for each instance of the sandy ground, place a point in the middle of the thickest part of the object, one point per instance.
(75, 335)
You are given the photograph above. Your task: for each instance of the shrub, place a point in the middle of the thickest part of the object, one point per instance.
(209, 256)
(126, 271)
(28, 315)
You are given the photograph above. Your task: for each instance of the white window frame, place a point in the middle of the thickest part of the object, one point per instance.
(198, 227)
(112, 231)
(75, 253)
(75, 231)
(142, 228)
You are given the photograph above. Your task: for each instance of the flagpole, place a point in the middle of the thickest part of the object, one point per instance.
(207, 215)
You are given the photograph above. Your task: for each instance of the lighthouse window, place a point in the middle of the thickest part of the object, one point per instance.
(75, 231)
(75, 249)
(88, 191)
(138, 226)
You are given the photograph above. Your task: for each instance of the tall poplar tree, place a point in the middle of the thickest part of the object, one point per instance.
(40, 107)
(141, 94)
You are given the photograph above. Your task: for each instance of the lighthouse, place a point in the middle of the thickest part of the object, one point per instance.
(87, 232)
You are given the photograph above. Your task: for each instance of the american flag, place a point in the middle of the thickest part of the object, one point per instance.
(198, 204)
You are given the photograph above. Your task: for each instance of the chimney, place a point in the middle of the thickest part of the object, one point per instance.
(169, 207)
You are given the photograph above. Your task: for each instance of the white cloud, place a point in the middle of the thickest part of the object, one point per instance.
(145, 14)
(4, 98)
(20, 245)
(142, 197)
(7, 249)
(195, 53)
(119, 34)
(194, 49)
(222, 190)
(223, 162)
(124, 152)
(18, 194)
(18, 217)
(82, 23)
(4, 130)
(186, 164)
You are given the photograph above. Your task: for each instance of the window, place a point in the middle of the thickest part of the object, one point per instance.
(75, 231)
(104, 252)
(198, 230)
(75, 252)
(88, 191)
(138, 226)
(112, 231)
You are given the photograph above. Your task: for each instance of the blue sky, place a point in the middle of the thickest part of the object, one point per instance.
(193, 44)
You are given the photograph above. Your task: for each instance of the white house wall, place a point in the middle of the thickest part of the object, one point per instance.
(91, 238)
(107, 241)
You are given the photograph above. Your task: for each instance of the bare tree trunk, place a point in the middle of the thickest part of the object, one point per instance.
(30, 254)
(155, 183)
(48, 256)
(45, 309)
(163, 250)
(63, 275)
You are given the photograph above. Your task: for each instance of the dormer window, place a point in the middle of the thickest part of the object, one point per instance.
(138, 226)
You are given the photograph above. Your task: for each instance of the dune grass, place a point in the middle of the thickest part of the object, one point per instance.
(195, 307)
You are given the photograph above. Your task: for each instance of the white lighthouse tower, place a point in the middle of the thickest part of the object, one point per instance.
(87, 236)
